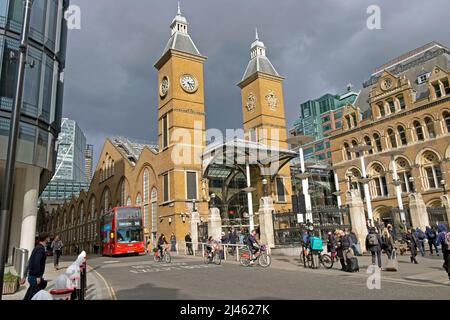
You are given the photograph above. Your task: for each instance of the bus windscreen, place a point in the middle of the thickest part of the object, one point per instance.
(128, 225)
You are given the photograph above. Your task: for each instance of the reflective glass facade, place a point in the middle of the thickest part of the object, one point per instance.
(43, 87)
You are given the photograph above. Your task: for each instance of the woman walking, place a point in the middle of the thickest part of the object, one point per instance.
(388, 241)
(57, 248)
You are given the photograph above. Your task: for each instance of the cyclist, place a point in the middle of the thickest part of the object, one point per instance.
(253, 246)
(162, 242)
(210, 244)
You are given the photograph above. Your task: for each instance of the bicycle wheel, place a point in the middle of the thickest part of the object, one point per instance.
(156, 257)
(216, 258)
(244, 259)
(303, 258)
(167, 257)
(264, 260)
(206, 258)
(326, 261)
(309, 261)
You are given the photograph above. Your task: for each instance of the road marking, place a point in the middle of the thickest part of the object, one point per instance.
(111, 292)
(115, 261)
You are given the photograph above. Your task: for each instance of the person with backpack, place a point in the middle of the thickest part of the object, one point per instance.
(421, 237)
(431, 235)
(373, 244)
(444, 240)
(413, 243)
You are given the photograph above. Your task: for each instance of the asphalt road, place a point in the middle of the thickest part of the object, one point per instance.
(189, 278)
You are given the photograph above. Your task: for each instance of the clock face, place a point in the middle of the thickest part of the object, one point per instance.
(386, 84)
(189, 83)
(164, 87)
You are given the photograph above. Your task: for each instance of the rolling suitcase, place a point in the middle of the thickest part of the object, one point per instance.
(392, 263)
(352, 265)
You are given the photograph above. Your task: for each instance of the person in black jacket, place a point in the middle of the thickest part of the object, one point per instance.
(36, 267)
(373, 244)
(413, 244)
(188, 241)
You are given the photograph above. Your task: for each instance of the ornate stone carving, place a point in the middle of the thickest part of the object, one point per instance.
(272, 99)
(251, 102)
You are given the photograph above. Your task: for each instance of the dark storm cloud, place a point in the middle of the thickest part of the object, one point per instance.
(319, 46)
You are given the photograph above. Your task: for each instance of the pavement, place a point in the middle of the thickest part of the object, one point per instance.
(187, 277)
(97, 287)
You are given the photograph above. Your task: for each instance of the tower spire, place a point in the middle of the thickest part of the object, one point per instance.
(256, 34)
(179, 9)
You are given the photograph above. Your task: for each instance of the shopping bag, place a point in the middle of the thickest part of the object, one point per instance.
(392, 263)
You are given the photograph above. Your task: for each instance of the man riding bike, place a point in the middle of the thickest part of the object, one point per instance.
(162, 242)
(253, 246)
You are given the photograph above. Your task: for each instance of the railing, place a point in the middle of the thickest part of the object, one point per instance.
(229, 250)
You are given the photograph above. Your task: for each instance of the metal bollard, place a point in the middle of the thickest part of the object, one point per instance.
(237, 253)
(225, 249)
(83, 281)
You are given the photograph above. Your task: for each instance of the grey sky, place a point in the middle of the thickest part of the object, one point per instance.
(318, 46)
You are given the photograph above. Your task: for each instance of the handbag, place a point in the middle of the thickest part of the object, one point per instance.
(392, 263)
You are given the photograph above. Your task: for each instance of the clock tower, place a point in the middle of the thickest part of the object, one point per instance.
(181, 129)
(263, 114)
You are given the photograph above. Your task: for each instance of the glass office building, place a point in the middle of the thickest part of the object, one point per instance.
(41, 109)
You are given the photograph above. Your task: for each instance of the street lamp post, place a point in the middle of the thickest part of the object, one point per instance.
(364, 179)
(412, 185)
(349, 176)
(264, 183)
(6, 199)
(396, 182)
(442, 182)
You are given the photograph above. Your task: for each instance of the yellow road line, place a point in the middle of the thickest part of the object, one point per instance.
(111, 291)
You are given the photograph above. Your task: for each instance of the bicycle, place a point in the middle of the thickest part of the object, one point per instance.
(165, 258)
(264, 260)
(324, 259)
(212, 256)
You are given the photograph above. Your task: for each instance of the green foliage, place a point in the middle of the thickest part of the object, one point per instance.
(10, 277)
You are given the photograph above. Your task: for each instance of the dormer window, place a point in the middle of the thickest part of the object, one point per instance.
(423, 78)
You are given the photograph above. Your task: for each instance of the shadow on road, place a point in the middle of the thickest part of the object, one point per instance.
(148, 292)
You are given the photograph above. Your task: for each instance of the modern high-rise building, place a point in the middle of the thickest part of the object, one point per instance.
(70, 176)
(318, 118)
(88, 157)
(41, 109)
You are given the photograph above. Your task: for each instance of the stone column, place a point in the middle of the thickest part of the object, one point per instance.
(214, 224)
(30, 208)
(357, 216)
(418, 211)
(16, 213)
(195, 220)
(446, 203)
(265, 213)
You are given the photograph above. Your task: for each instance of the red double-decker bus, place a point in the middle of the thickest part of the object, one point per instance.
(122, 231)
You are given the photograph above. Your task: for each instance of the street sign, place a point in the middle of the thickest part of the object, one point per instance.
(299, 217)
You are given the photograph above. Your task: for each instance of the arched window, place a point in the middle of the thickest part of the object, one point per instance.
(138, 200)
(419, 130)
(355, 144)
(154, 202)
(402, 134)
(347, 151)
(349, 122)
(377, 139)
(146, 188)
(381, 110)
(401, 102)
(92, 215)
(404, 173)
(430, 127)
(391, 105)
(112, 167)
(82, 213)
(446, 116)
(355, 184)
(129, 204)
(431, 170)
(392, 138)
(72, 216)
(106, 205)
(378, 184)
(122, 192)
(368, 142)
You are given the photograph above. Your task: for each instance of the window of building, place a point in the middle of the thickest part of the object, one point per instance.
(326, 127)
(166, 187)
(402, 134)
(437, 90)
(328, 155)
(355, 123)
(165, 131)
(321, 156)
(377, 139)
(138, 200)
(338, 115)
(326, 119)
(328, 144)
(191, 185)
(355, 144)
(430, 127)
(391, 105)
(122, 193)
(432, 170)
(154, 202)
(106, 204)
(338, 124)
(392, 138)
(381, 111)
(306, 111)
(419, 130)
(319, 147)
(404, 173)
(446, 116)
(378, 184)
(446, 85)
(252, 135)
(347, 151)
(422, 78)
(368, 142)
(401, 101)
(280, 190)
